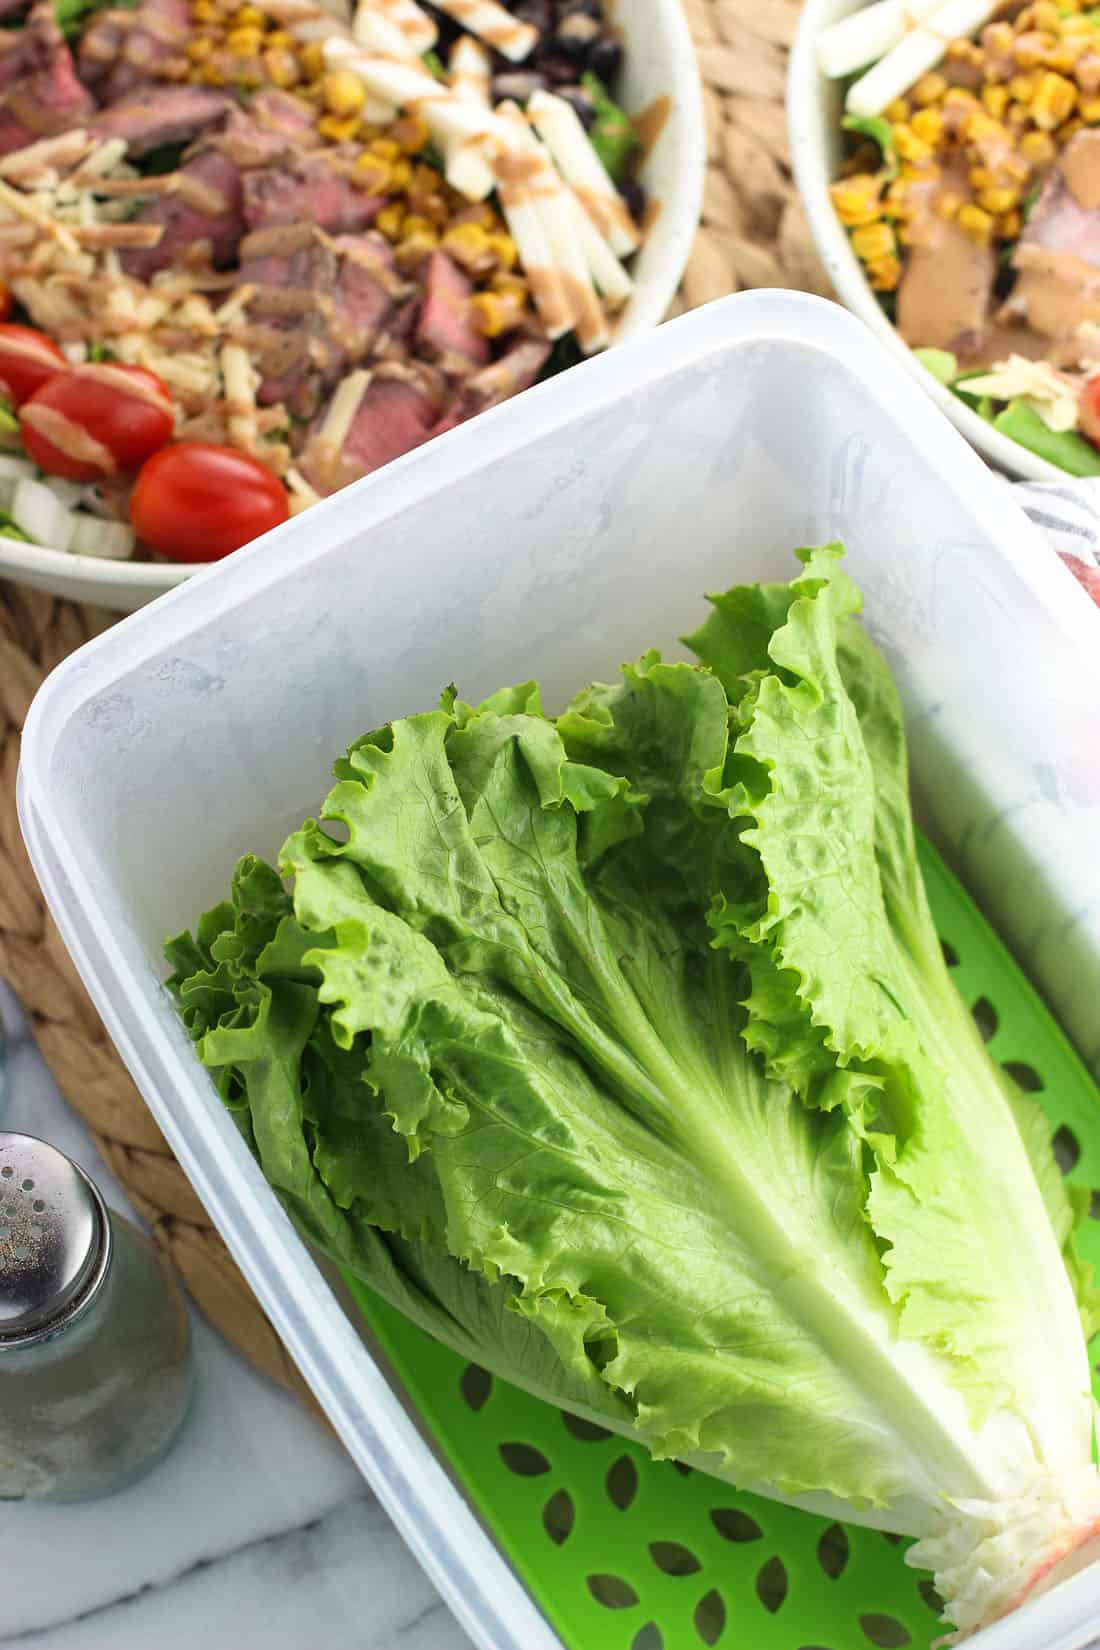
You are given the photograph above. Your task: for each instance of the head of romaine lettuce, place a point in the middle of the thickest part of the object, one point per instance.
(617, 1049)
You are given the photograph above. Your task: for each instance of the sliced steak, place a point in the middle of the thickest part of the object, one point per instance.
(121, 49)
(1058, 256)
(443, 330)
(275, 126)
(155, 115)
(39, 91)
(367, 289)
(309, 192)
(295, 276)
(203, 212)
(512, 372)
(393, 417)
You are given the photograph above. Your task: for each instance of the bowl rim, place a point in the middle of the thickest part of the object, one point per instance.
(805, 94)
(673, 233)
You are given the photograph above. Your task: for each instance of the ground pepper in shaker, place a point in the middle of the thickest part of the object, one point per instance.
(95, 1340)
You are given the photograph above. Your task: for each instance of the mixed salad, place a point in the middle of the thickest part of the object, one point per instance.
(251, 252)
(971, 192)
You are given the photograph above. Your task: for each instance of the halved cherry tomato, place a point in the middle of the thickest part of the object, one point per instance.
(5, 302)
(28, 359)
(196, 501)
(1088, 412)
(95, 420)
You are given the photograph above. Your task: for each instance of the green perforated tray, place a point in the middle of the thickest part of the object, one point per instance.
(624, 1553)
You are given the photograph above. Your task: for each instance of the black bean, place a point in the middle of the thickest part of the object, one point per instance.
(605, 57)
(585, 8)
(539, 13)
(635, 197)
(558, 69)
(580, 102)
(518, 84)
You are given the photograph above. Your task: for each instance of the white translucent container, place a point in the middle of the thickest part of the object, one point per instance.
(556, 537)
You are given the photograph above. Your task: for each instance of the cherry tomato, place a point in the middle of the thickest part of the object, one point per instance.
(195, 501)
(1088, 412)
(5, 302)
(95, 420)
(28, 359)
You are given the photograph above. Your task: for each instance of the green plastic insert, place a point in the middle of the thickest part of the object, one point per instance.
(624, 1553)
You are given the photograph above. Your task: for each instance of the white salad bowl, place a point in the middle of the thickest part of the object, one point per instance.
(814, 119)
(658, 65)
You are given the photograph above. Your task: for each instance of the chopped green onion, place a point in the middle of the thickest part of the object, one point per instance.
(611, 133)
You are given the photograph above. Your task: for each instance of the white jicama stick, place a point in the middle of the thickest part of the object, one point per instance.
(559, 127)
(554, 304)
(415, 24)
(449, 118)
(497, 27)
(469, 70)
(914, 56)
(380, 34)
(611, 279)
(44, 519)
(868, 35)
(555, 208)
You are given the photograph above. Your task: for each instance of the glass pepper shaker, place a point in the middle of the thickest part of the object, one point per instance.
(95, 1339)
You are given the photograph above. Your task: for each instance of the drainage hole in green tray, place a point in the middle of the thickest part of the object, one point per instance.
(674, 1559)
(1024, 1076)
(1067, 1152)
(558, 1517)
(648, 1638)
(891, 1538)
(735, 1525)
(950, 955)
(709, 1618)
(771, 1584)
(832, 1551)
(985, 1018)
(621, 1482)
(524, 1460)
(475, 1385)
(885, 1632)
(683, 1469)
(928, 1593)
(587, 1431)
(612, 1591)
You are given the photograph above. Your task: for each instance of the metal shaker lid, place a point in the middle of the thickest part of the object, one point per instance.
(55, 1239)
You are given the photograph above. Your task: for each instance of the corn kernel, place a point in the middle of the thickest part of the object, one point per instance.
(503, 248)
(248, 17)
(898, 110)
(343, 92)
(338, 128)
(411, 250)
(243, 42)
(1063, 59)
(1018, 118)
(414, 224)
(928, 126)
(372, 173)
(1032, 49)
(959, 96)
(389, 220)
(909, 146)
(1008, 227)
(1045, 15)
(998, 39)
(1038, 147)
(210, 75)
(280, 37)
(948, 204)
(995, 99)
(312, 59)
(281, 66)
(489, 314)
(1064, 133)
(895, 202)
(977, 223)
(385, 149)
(929, 89)
(400, 175)
(509, 285)
(874, 240)
(410, 133)
(1023, 87)
(202, 11)
(999, 200)
(884, 273)
(198, 50)
(1015, 168)
(1090, 111)
(1054, 101)
(980, 177)
(468, 245)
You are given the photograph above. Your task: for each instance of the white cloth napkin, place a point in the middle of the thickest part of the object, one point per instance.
(1067, 513)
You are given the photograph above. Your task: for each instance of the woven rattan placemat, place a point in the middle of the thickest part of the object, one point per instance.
(753, 234)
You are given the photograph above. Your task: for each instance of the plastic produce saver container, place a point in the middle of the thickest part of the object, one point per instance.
(556, 537)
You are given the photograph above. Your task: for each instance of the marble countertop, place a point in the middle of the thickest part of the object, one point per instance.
(255, 1533)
